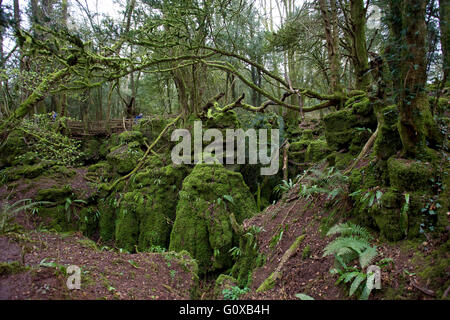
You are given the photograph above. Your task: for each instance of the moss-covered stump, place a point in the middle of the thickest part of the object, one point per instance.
(202, 225)
(410, 175)
(124, 158)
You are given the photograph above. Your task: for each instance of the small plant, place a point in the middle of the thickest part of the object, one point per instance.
(353, 243)
(234, 293)
(283, 187)
(303, 296)
(7, 212)
(235, 252)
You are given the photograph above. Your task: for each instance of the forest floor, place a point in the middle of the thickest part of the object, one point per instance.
(33, 260)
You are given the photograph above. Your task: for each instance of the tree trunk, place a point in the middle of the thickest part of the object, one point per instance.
(444, 12)
(360, 58)
(408, 28)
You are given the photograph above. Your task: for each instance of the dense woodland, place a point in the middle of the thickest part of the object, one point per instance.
(89, 102)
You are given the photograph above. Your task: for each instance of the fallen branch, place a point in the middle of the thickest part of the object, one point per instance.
(363, 151)
(142, 160)
(270, 281)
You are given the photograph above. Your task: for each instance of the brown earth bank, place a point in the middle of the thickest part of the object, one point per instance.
(34, 264)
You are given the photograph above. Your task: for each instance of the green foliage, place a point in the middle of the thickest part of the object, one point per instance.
(283, 187)
(8, 211)
(234, 293)
(303, 296)
(46, 142)
(353, 243)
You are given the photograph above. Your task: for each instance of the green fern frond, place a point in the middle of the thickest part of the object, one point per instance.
(350, 229)
(366, 257)
(355, 244)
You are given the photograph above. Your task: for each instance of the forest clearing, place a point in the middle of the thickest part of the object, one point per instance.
(224, 150)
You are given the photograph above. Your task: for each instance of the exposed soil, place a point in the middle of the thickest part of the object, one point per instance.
(105, 274)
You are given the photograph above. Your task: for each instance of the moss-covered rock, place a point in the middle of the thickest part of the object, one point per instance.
(410, 175)
(127, 222)
(57, 195)
(25, 171)
(107, 208)
(388, 141)
(343, 160)
(202, 225)
(124, 158)
(127, 137)
(317, 150)
(158, 209)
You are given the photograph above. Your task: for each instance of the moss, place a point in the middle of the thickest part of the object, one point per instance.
(9, 268)
(223, 282)
(338, 128)
(91, 150)
(410, 175)
(13, 147)
(317, 150)
(124, 158)
(62, 171)
(158, 209)
(306, 253)
(25, 171)
(57, 195)
(307, 134)
(387, 216)
(88, 221)
(131, 136)
(388, 141)
(107, 226)
(343, 160)
(127, 223)
(202, 225)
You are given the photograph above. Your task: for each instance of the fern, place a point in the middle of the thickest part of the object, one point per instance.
(348, 228)
(353, 243)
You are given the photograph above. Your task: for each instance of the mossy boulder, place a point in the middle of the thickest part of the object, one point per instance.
(388, 141)
(57, 195)
(107, 208)
(123, 159)
(157, 212)
(210, 194)
(131, 136)
(145, 215)
(317, 150)
(127, 222)
(343, 126)
(410, 175)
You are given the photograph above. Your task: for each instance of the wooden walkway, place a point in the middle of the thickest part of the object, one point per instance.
(105, 128)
